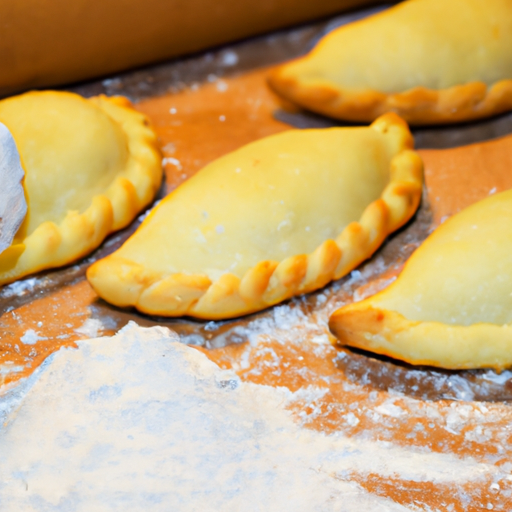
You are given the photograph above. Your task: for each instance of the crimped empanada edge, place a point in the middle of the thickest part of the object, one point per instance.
(418, 106)
(125, 283)
(454, 347)
(52, 245)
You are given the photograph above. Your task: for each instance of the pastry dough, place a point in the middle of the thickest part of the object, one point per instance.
(452, 304)
(90, 166)
(278, 217)
(430, 61)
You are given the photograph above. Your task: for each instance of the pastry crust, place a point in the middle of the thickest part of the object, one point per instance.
(91, 166)
(279, 217)
(430, 61)
(452, 304)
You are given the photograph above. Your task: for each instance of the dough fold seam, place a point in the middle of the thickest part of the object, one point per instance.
(418, 106)
(455, 347)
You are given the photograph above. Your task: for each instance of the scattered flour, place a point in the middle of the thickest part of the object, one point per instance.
(388, 408)
(141, 422)
(31, 337)
(229, 58)
(170, 148)
(19, 288)
(351, 419)
(90, 328)
(173, 161)
(222, 86)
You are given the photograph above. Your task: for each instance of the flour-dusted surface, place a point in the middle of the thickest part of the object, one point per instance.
(141, 422)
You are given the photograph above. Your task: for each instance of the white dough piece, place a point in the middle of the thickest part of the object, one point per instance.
(13, 206)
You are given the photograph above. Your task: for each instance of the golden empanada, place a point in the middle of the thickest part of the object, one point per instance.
(430, 61)
(452, 304)
(90, 166)
(281, 216)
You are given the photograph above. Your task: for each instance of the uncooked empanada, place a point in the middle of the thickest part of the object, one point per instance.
(452, 304)
(281, 216)
(430, 61)
(90, 167)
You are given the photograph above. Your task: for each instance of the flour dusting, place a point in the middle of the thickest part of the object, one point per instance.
(139, 421)
(91, 328)
(31, 337)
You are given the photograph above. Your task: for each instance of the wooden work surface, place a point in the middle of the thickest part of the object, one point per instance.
(208, 105)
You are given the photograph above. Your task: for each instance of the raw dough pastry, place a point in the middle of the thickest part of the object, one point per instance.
(452, 304)
(90, 166)
(278, 217)
(430, 61)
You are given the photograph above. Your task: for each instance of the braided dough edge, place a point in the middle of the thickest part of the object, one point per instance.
(418, 106)
(126, 283)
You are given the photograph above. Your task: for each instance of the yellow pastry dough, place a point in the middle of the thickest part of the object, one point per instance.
(430, 61)
(90, 167)
(452, 304)
(278, 217)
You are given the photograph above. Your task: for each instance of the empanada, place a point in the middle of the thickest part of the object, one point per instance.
(452, 304)
(281, 216)
(90, 167)
(430, 61)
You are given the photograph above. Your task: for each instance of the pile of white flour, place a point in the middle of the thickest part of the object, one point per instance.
(140, 421)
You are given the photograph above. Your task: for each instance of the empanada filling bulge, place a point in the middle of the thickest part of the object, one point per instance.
(72, 151)
(463, 274)
(418, 43)
(278, 197)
